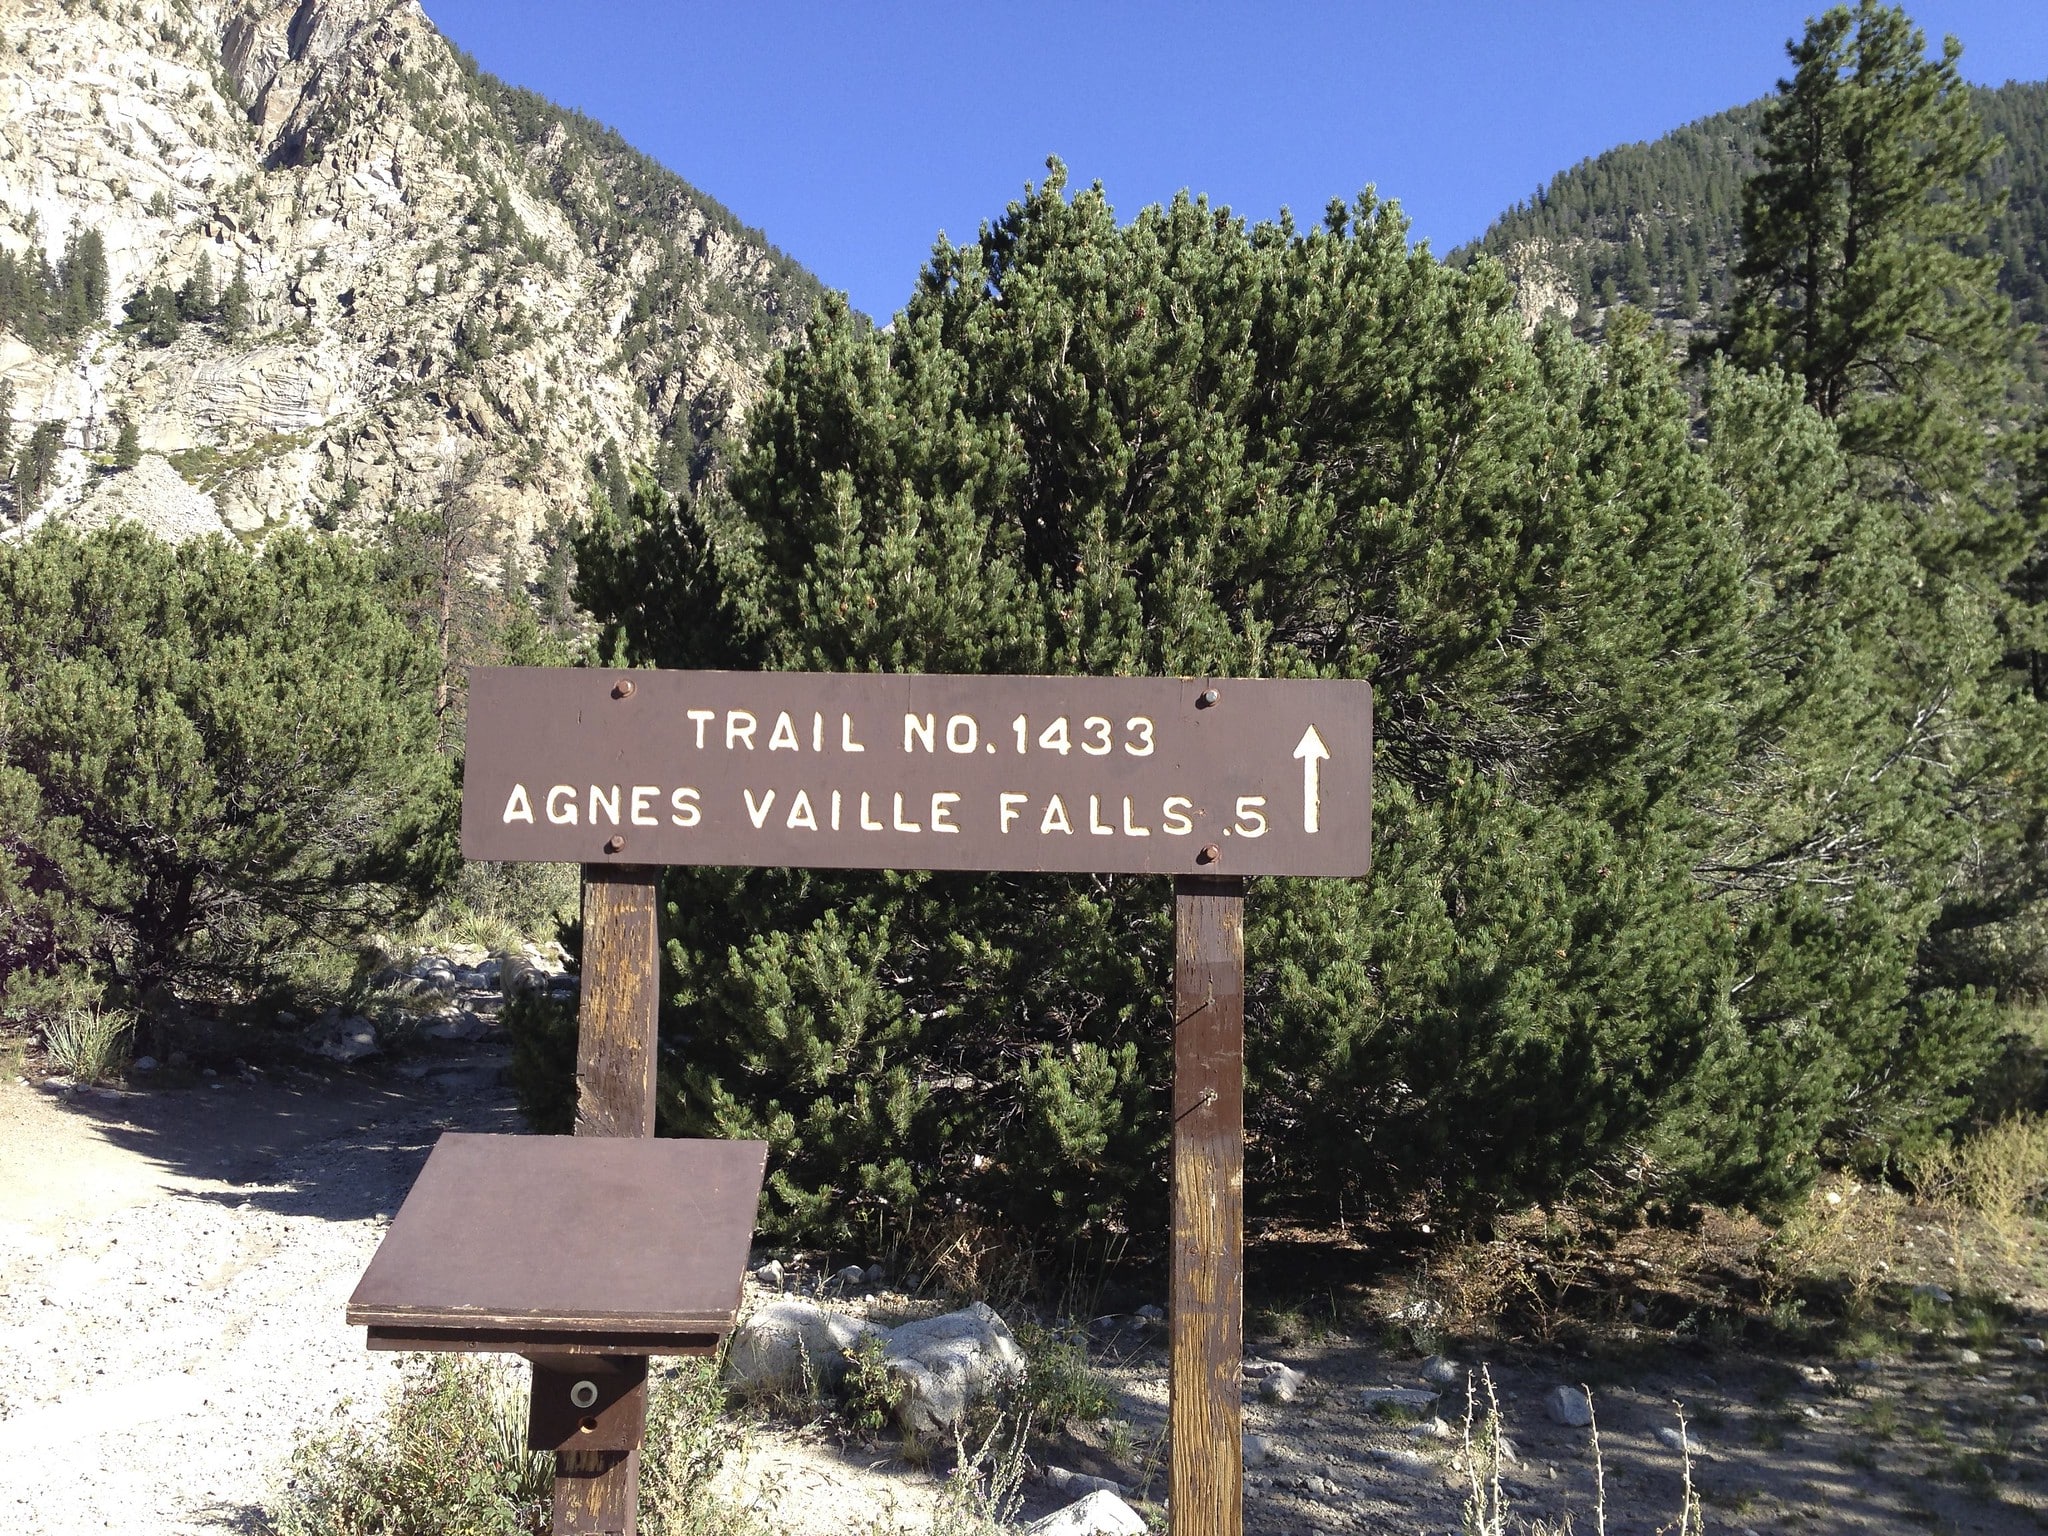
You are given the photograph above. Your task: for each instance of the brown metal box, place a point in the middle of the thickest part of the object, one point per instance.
(563, 1246)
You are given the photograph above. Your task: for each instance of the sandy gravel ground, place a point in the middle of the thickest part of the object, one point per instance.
(173, 1268)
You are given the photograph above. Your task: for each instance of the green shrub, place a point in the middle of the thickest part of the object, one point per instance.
(218, 756)
(542, 1072)
(1654, 851)
(89, 1044)
(1060, 1383)
(872, 1394)
(449, 1459)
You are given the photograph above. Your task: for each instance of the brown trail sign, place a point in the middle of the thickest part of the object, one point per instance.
(1210, 781)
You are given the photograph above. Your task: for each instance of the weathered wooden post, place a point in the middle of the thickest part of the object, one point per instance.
(1206, 1284)
(617, 1042)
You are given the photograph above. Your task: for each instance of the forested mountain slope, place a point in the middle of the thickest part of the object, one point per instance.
(309, 258)
(1656, 224)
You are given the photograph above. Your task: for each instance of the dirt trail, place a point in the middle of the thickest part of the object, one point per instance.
(173, 1268)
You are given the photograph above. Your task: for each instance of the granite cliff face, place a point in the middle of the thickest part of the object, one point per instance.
(447, 283)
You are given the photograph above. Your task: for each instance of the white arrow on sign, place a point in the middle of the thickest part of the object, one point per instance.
(1313, 755)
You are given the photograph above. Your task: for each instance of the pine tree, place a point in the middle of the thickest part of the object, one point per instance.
(1181, 446)
(257, 769)
(196, 301)
(128, 445)
(1852, 272)
(1855, 277)
(234, 303)
(36, 470)
(7, 428)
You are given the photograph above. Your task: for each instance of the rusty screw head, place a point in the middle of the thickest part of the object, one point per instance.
(623, 688)
(616, 843)
(1208, 699)
(1210, 854)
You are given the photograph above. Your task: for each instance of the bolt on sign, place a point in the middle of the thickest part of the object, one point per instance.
(916, 771)
(1207, 780)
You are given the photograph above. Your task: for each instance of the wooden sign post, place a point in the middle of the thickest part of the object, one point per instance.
(1209, 781)
(617, 1043)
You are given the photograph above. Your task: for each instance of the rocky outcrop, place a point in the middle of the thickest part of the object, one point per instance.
(449, 283)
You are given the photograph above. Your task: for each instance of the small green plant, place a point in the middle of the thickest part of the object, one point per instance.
(872, 1394)
(450, 1455)
(1060, 1384)
(987, 1486)
(89, 1045)
(688, 1442)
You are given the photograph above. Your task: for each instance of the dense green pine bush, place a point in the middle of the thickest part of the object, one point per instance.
(1623, 917)
(205, 756)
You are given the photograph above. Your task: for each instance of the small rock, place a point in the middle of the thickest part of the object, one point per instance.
(1412, 1399)
(1079, 1482)
(1258, 1450)
(179, 1060)
(1868, 1363)
(1150, 1314)
(874, 1274)
(1100, 1514)
(208, 1072)
(1638, 1312)
(1431, 1429)
(1816, 1375)
(2026, 1400)
(1569, 1406)
(847, 1279)
(1968, 1357)
(1673, 1439)
(1933, 1293)
(145, 1064)
(2034, 1345)
(1406, 1461)
(1440, 1372)
(771, 1275)
(1276, 1383)
(1507, 1450)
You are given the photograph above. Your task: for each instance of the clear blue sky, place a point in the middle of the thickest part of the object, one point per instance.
(853, 133)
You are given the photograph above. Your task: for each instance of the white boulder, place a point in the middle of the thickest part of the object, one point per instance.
(1100, 1514)
(948, 1362)
(792, 1347)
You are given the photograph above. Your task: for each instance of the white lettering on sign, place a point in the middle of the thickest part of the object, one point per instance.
(518, 807)
(846, 741)
(684, 811)
(734, 731)
(918, 730)
(1313, 755)
(1055, 818)
(643, 797)
(759, 814)
(702, 717)
(783, 737)
(1008, 803)
(608, 802)
(942, 809)
(800, 813)
(560, 813)
(959, 740)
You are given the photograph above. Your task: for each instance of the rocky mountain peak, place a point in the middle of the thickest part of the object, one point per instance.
(340, 271)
